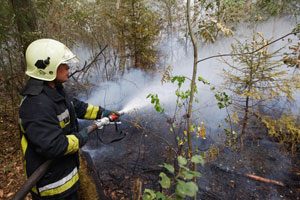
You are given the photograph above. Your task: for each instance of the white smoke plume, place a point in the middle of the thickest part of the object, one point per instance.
(131, 91)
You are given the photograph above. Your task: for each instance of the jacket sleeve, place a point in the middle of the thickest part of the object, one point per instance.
(86, 110)
(43, 130)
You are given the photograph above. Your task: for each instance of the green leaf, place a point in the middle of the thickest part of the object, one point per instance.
(180, 189)
(185, 168)
(170, 168)
(220, 105)
(149, 194)
(197, 159)
(182, 160)
(184, 189)
(187, 175)
(201, 79)
(196, 174)
(165, 182)
(173, 79)
(192, 189)
(160, 196)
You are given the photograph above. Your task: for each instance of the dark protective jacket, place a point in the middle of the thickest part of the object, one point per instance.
(49, 130)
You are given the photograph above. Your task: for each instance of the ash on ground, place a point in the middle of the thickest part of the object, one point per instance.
(126, 160)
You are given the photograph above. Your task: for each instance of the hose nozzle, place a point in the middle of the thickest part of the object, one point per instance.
(115, 115)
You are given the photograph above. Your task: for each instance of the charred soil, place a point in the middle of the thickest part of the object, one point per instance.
(260, 169)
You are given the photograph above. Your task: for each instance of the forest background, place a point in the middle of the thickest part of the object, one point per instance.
(122, 36)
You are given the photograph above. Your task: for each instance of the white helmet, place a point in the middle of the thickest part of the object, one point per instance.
(43, 57)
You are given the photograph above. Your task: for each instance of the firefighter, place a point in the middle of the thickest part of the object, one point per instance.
(48, 120)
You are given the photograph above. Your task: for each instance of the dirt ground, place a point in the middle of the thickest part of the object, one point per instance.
(11, 162)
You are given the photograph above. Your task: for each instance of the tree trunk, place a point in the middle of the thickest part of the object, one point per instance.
(193, 78)
(245, 119)
(25, 22)
(169, 5)
(249, 85)
(193, 84)
(121, 43)
(123, 54)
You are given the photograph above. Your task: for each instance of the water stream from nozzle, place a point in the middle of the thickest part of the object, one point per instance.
(136, 103)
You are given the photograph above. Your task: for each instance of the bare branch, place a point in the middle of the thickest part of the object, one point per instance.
(239, 54)
(87, 66)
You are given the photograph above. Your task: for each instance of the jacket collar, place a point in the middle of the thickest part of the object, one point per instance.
(56, 95)
(32, 87)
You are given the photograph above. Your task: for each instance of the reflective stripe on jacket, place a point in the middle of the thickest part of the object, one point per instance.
(49, 130)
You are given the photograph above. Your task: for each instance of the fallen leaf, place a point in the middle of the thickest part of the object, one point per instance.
(18, 169)
(10, 181)
(10, 174)
(10, 194)
(1, 194)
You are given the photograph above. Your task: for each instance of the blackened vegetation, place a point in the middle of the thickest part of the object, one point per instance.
(230, 176)
(126, 167)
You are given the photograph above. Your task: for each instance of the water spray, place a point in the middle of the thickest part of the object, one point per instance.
(135, 104)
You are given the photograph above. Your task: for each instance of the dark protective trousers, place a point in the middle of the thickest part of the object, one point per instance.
(73, 196)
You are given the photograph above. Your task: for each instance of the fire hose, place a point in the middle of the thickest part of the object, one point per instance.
(43, 168)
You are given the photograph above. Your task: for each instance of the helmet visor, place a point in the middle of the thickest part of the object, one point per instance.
(69, 57)
(71, 61)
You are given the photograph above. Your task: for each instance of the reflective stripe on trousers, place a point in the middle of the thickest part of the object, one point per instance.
(60, 186)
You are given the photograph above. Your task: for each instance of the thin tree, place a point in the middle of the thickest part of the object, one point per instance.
(193, 39)
(257, 77)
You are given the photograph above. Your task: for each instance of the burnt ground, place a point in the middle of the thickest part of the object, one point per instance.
(124, 168)
(226, 177)
(127, 166)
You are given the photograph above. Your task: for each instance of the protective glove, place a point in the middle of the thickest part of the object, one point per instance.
(105, 113)
(101, 122)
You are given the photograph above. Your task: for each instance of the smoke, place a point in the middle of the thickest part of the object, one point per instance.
(130, 92)
(99, 154)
